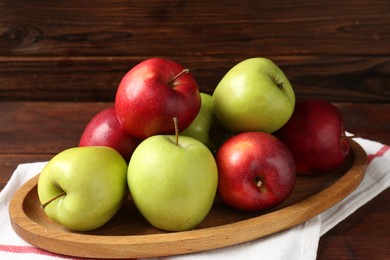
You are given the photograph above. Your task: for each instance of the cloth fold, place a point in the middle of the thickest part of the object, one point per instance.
(299, 242)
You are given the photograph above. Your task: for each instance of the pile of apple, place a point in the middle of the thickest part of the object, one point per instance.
(174, 149)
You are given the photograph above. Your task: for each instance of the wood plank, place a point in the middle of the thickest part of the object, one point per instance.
(193, 28)
(43, 128)
(363, 235)
(66, 51)
(49, 127)
(369, 121)
(336, 78)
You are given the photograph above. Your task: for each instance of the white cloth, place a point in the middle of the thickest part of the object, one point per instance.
(299, 242)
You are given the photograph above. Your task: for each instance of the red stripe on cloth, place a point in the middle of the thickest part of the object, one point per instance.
(29, 250)
(379, 153)
(35, 250)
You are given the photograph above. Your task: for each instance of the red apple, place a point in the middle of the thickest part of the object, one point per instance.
(315, 135)
(152, 93)
(256, 171)
(105, 130)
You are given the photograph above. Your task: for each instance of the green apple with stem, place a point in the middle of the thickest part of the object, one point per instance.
(254, 95)
(173, 181)
(205, 126)
(82, 188)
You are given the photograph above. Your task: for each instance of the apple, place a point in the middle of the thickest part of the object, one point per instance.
(82, 188)
(315, 135)
(173, 181)
(104, 129)
(205, 126)
(254, 95)
(256, 171)
(200, 126)
(153, 92)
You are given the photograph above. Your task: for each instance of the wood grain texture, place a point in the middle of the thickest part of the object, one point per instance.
(340, 79)
(79, 51)
(193, 28)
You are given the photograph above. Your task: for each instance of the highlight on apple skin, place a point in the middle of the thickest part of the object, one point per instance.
(104, 129)
(316, 137)
(254, 95)
(82, 188)
(173, 181)
(256, 171)
(152, 93)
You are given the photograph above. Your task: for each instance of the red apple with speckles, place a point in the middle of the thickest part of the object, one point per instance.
(316, 137)
(104, 129)
(256, 171)
(152, 93)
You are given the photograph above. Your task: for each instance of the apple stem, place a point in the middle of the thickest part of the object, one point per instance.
(280, 85)
(52, 199)
(258, 182)
(178, 75)
(175, 122)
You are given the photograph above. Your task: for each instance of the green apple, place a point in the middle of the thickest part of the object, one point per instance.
(205, 126)
(200, 127)
(173, 184)
(254, 95)
(82, 188)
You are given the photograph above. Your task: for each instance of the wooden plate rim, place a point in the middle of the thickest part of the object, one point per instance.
(68, 243)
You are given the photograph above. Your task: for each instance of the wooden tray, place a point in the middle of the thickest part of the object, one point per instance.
(128, 235)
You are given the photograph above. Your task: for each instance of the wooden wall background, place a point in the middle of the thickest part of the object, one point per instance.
(79, 50)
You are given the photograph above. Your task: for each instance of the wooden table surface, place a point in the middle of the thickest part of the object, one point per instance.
(36, 131)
